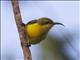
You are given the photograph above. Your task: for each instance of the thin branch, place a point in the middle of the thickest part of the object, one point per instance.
(23, 39)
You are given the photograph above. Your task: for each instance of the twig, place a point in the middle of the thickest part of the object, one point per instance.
(23, 39)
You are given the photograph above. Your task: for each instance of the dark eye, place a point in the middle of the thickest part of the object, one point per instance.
(47, 22)
(44, 22)
(32, 22)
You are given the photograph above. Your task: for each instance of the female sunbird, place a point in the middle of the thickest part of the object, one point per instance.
(36, 30)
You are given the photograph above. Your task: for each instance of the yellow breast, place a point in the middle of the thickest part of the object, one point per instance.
(33, 30)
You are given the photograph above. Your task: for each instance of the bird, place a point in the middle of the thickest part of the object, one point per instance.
(36, 30)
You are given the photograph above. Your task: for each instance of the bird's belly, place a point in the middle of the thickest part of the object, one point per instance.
(35, 33)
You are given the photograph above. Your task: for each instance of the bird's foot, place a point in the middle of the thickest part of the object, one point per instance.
(23, 24)
(29, 45)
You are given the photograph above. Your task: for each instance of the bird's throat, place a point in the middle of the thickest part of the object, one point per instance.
(33, 30)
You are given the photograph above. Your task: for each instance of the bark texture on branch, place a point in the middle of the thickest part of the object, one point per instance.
(23, 39)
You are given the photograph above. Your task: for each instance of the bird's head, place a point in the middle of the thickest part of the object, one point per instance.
(47, 23)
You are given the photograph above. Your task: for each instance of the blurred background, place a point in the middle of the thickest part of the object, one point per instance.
(62, 43)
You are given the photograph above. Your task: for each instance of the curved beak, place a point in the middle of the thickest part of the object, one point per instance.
(56, 23)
